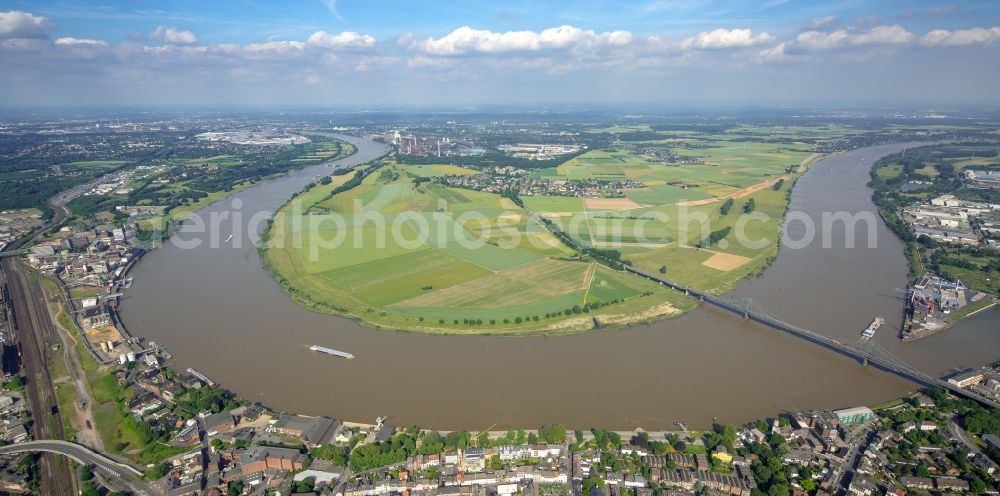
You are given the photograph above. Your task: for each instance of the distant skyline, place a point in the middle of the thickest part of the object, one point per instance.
(331, 53)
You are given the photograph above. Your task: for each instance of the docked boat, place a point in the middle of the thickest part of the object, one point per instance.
(870, 330)
(128, 283)
(330, 351)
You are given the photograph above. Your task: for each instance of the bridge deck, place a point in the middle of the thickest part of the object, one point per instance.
(894, 366)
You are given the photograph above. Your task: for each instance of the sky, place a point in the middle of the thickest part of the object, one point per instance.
(380, 53)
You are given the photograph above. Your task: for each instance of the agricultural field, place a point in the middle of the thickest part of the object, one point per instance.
(405, 254)
(403, 249)
(438, 170)
(659, 227)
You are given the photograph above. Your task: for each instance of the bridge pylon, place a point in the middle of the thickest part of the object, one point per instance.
(867, 348)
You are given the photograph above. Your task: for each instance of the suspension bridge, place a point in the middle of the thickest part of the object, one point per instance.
(866, 351)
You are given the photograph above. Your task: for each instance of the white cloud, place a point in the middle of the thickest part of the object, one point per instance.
(345, 40)
(961, 37)
(773, 54)
(821, 23)
(819, 39)
(725, 38)
(465, 40)
(269, 49)
(175, 36)
(884, 35)
(331, 5)
(68, 41)
(371, 63)
(16, 24)
(425, 61)
(879, 35)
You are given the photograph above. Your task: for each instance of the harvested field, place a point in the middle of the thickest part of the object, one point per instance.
(725, 261)
(610, 204)
(510, 218)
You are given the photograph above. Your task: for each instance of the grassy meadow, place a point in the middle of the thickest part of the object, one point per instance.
(443, 259)
(403, 250)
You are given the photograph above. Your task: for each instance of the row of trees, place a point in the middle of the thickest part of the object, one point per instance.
(714, 237)
(574, 310)
(749, 206)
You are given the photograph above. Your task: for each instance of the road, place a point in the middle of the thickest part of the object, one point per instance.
(33, 334)
(205, 453)
(86, 434)
(123, 477)
(851, 461)
(963, 437)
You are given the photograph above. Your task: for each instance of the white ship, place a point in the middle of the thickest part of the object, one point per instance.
(330, 351)
(870, 330)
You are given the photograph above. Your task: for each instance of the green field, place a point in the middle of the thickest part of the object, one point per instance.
(427, 257)
(401, 252)
(94, 165)
(86, 291)
(665, 194)
(889, 171)
(439, 170)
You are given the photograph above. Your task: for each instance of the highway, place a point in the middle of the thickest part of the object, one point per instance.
(116, 474)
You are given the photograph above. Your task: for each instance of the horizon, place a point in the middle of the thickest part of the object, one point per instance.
(350, 54)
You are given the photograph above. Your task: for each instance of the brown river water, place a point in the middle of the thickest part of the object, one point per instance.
(218, 310)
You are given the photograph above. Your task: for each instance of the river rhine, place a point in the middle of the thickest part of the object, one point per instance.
(217, 310)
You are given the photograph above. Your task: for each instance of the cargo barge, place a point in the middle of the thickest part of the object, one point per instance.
(330, 351)
(870, 330)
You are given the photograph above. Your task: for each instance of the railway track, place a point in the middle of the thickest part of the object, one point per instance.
(33, 331)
